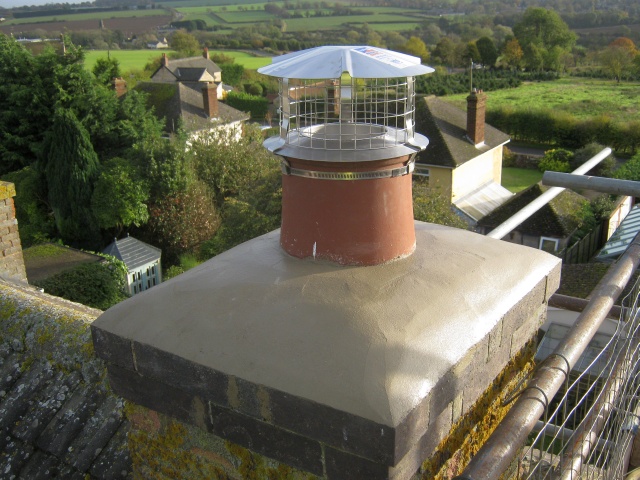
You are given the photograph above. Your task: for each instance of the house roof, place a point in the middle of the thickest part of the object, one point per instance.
(445, 126)
(182, 103)
(483, 200)
(193, 62)
(58, 418)
(558, 218)
(193, 75)
(133, 252)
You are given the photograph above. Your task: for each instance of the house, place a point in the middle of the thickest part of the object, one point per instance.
(549, 229)
(159, 44)
(186, 92)
(142, 261)
(464, 156)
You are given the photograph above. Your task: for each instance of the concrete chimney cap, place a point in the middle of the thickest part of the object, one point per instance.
(332, 61)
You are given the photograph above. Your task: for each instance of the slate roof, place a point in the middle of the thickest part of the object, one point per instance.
(58, 419)
(558, 218)
(193, 62)
(133, 252)
(182, 102)
(445, 126)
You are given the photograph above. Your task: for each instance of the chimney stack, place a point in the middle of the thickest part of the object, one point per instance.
(210, 100)
(476, 108)
(165, 60)
(266, 360)
(119, 85)
(205, 53)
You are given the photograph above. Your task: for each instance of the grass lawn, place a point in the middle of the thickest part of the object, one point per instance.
(581, 97)
(137, 59)
(129, 59)
(518, 179)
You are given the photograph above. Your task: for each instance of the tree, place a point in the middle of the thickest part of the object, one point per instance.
(625, 43)
(471, 53)
(71, 168)
(184, 43)
(543, 28)
(512, 54)
(229, 166)
(120, 196)
(106, 69)
(415, 46)
(487, 50)
(617, 60)
(539, 32)
(182, 222)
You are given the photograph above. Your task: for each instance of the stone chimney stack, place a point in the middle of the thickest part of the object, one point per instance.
(205, 53)
(354, 342)
(210, 100)
(476, 109)
(165, 60)
(119, 85)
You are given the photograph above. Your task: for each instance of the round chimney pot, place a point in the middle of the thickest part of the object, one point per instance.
(348, 143)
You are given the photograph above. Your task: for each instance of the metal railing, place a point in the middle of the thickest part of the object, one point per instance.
(568, 422)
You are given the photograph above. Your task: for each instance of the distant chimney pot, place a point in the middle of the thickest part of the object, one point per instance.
(165, 60)
(210, 100)
(205, 53)
(476, 109)
(119, 86)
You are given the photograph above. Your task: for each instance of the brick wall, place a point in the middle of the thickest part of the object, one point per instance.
(11, 260)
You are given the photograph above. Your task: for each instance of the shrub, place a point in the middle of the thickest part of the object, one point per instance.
(556, 160)
(98, 285)
(255, 105)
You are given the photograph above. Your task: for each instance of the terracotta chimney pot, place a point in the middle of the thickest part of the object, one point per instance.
(165, 60)
(205, 53)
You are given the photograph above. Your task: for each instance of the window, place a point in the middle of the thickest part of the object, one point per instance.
(548, 244)
(421, 171)
(135, 289)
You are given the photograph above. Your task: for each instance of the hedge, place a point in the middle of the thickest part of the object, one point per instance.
(256, 106)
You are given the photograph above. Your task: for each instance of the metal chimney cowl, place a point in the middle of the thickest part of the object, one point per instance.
(347, 141)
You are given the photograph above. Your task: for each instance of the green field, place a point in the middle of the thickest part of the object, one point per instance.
(378, 18)
(137, 59)
(581, 97)
(89, 16)
(518, 179)
(129, 59)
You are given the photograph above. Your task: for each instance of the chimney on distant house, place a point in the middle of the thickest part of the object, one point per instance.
(476, 108)
(205, 53)
(165, 60)
(119, 86)
(210, 99)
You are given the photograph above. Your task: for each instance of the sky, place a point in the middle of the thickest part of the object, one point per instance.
(21, 3)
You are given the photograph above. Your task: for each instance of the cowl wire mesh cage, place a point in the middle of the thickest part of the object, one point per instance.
(365, 109)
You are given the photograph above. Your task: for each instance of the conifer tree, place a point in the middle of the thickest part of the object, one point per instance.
(71, 168)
